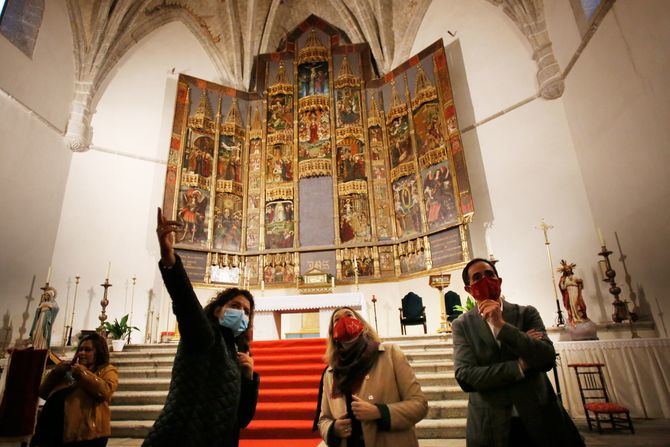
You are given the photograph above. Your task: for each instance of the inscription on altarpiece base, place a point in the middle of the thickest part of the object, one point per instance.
(195, 264)
(446, 247)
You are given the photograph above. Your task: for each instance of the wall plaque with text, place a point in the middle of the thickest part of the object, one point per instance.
(195, 264)
(446, 248)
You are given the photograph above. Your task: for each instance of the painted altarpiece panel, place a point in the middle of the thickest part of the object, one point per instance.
(380, 176)
(254, 178)
(350, 160)
(278, 268)
(279, 231)
(193, 205)
(242, 190)
(354, 218)
(227, 222)
(407, 210)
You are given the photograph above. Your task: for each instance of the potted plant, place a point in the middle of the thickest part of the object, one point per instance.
(119, 331)
(469, 304)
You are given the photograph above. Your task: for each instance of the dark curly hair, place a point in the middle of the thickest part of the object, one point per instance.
(244, 340)
(100, 346)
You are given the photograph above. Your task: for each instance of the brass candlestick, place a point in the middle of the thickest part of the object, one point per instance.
(104, 303)
(621, 312)
(150, 314)
(132, 303)
(374, 308)
(356, 273)
(74, 306)
(441, 282)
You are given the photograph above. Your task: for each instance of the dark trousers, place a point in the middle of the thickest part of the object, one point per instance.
(518, 436)
(99, 442)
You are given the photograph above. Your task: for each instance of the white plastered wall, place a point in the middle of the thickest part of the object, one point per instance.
(617, 103)
(109, 210)
(522, 164)
(35, 96)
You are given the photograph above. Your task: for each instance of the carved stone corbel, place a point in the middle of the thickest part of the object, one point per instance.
(528, 15)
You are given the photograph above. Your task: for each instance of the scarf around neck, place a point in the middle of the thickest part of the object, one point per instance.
(352, 363)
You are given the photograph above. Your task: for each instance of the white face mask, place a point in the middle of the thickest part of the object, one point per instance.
(235, 320)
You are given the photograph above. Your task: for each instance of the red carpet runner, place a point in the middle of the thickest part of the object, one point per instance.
(290, 372)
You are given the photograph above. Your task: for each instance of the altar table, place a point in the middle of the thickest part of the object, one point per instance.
(637, 372)
(268, 310)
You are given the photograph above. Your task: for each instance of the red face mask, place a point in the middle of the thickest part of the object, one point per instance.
(346, 329)
(486, 289)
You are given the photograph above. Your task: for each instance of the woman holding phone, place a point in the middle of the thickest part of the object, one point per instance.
(77, 394)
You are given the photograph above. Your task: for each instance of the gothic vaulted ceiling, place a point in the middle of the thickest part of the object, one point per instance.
(233, 32)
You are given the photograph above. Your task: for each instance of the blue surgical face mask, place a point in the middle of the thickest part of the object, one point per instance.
(235, 320)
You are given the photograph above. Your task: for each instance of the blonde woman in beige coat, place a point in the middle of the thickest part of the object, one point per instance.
(370, 395)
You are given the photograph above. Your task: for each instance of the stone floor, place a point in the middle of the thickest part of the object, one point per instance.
(649, 433)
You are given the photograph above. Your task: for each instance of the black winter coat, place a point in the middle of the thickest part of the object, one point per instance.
(209, 400)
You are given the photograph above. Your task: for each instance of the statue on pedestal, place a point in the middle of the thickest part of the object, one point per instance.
(47, 309)
(578, 326)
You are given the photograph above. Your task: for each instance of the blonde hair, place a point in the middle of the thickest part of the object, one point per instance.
(331, 347)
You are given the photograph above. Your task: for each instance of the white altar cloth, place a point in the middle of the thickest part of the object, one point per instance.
(637, 372)
(267, 322)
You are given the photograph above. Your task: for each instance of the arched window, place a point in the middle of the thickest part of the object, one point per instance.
(588, 11)
(20, 22)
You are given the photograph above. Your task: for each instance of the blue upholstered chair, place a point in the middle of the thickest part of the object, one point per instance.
(412, 312)
(452, 299)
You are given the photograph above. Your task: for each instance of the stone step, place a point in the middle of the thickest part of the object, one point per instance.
(166, 361)
(420, 339)
(432, 356)
(437, 366)
(157, 397)
(139, 397)
(443, 392)
(156, 384)
(137, 442)
(135, 412)
(142, 372)
(442, 409)
(453, 428)
(131, 372)
(447, 409)
(131, 429)
(425, 338)
(145, 346)
(427, 429)
(156, 353)
(420, 346)
(437, 379)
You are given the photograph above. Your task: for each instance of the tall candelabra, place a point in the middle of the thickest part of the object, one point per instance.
(621, 311)
(68, 331)
(132, 304)
(441, 282)
(150, 313)
(104, 302)
(560, 321)
(374, 308)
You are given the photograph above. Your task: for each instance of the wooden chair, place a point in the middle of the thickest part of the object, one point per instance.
(596, 400)
(412, 312)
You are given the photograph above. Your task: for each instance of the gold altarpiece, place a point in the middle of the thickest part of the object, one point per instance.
(323, 166)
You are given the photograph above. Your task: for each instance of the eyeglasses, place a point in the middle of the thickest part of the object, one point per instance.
(479, 275)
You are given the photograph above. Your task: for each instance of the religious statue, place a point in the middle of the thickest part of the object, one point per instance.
(571, 289)
(579, 326)
(47, 309)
